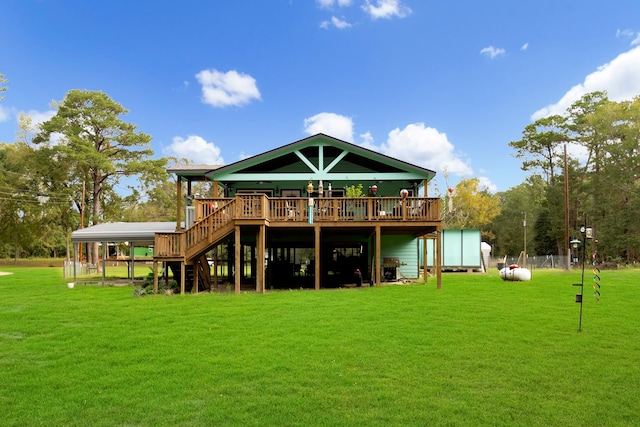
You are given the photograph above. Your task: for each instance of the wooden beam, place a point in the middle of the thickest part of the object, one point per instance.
(425, 270)
(196, 275)
(215, 267)
(378, 256)
(155, 277)
(237, 272)
(438, 255)
(317, 262)
(260, 273)
(183, 273)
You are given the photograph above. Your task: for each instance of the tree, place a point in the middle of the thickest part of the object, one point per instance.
(613, 187)
(604, 186)
(539, 146)
(473, 208)
(2, 88)
(508, 226)
(97, 148)
(23, 219)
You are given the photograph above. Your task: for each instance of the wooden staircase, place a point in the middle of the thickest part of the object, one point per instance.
(188, 245)
(191, 245)
(200, 269)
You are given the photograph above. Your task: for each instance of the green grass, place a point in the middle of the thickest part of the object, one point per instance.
(479, 351)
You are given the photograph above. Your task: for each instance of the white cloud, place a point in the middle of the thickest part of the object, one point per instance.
(426, 147)
(524, 46)
(386, 9)
(627, 33)
(4, 114)
(624, 33)
(485, 183)
(196, 149)
(367, 141)
(619, 78)
(38, 117)
(227, 89)
(416, 144)
(336, 22)
(331, 124)
(493, 51)
(328, 4)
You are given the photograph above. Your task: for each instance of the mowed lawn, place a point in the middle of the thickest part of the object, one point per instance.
(479, 351)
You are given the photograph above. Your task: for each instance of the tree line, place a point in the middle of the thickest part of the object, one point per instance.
(84, 166)
(595, 184)
(87, 165)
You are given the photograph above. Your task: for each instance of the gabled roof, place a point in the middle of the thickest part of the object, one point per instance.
(320, 157)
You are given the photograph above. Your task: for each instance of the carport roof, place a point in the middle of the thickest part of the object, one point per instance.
(140, 232)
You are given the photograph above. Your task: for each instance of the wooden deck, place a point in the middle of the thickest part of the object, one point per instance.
(217, 218)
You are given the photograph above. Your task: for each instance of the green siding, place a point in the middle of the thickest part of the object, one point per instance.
(405, 248)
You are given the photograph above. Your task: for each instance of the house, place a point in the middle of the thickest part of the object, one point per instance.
(289, 218)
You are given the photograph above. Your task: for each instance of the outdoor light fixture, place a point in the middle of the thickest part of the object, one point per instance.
(574, 244)
(310, 187)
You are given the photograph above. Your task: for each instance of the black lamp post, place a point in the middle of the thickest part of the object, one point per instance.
(575, 243)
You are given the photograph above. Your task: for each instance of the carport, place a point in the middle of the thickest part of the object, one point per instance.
(133, 233)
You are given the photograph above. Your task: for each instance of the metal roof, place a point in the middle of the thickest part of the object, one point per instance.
(194, 172)
(122, 232)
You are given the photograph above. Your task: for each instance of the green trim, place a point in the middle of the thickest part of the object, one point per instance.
(360, 166)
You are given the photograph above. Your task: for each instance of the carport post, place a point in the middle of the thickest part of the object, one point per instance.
(133, 261)
(75, 261)
(105, 248)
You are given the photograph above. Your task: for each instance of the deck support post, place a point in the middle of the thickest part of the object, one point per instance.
(196, 275)
(438, 259)
(260, 242)
(316, 272)
(378, 256)
(155, 276)
(425, 275)
(237, 272)
(182, 278)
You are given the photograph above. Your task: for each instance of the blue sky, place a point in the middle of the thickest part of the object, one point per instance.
(442, 84)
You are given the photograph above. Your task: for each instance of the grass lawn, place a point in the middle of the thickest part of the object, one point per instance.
(479, 351)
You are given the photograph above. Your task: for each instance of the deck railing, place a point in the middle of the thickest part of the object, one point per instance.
(213, 214)
(169, 245)
(326, 208)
